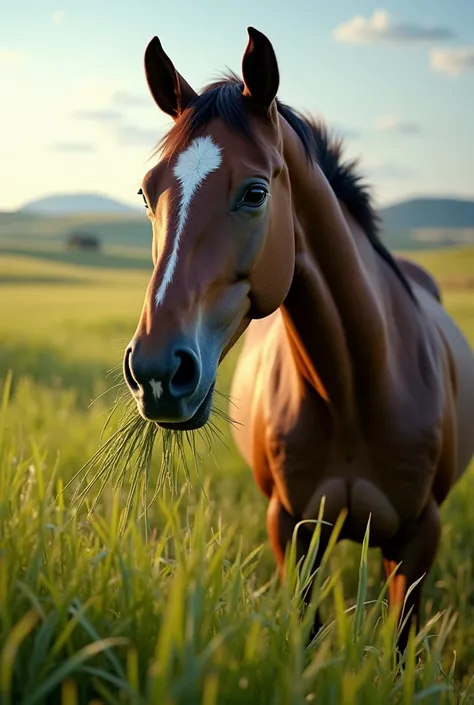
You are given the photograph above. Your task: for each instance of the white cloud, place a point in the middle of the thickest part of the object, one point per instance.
(126, 99)
(377, 169)
(392, 123)
(49, 148)
(115, 124)
(98, 115)
(88, 104)
(106, 114)
(381, 27)
(136, 136)
(58, 17)
(452, 62)
(345, 132)
(11, 58)
(75, 147)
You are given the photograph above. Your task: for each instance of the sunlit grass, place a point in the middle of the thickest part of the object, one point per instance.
(102, 602)
(179, 616)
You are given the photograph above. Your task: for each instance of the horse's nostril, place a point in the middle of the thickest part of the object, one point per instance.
(127, 371)
(176, 373)
(186, 377)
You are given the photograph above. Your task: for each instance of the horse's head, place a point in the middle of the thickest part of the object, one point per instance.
(219, 202)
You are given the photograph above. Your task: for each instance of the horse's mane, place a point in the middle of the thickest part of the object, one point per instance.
(223, 99)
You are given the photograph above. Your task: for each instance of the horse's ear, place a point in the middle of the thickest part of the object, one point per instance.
(260, 71)
(170, 91)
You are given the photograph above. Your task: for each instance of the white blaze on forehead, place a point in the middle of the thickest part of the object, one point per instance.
(192, 166)
(156, 388)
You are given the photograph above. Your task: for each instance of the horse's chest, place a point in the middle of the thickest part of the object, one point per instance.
(390, 481)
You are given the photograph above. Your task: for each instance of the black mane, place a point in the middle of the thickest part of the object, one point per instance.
(223, 99)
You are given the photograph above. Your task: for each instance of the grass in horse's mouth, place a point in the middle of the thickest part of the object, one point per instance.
(127, 455)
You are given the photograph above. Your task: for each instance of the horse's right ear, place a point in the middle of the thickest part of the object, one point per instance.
(170, 91)
(260, 71)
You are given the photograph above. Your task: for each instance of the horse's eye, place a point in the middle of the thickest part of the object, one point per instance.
(140, 193)
(254, 196)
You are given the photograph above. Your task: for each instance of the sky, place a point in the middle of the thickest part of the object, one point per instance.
(395, 79)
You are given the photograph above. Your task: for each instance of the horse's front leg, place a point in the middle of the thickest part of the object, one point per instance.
(280, 528)
(415, 548)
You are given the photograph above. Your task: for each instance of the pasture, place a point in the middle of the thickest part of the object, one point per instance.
(189, 611)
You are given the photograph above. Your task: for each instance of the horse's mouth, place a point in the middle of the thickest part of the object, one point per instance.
(199, 418)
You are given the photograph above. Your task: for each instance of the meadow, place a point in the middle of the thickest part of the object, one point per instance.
(185, 607)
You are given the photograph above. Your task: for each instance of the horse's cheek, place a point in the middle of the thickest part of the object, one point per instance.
(273, 273)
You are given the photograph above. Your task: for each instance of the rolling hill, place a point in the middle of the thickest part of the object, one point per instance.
(418, 223)
(72, 203)
(409, 214)
(419, 213)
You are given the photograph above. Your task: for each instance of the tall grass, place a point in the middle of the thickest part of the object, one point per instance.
(104, 602)
(90, 614)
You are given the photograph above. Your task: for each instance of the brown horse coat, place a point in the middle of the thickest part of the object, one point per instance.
(353, 382)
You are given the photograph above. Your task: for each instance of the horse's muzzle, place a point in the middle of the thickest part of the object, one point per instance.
(167, 386)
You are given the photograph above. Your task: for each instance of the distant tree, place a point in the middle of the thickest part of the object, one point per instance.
(83, 241)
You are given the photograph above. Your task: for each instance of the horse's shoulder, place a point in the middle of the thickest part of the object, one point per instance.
(416, 273)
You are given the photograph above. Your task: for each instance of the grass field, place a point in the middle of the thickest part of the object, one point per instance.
(189, 611)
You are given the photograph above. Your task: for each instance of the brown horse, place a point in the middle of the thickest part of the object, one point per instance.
(353, 382)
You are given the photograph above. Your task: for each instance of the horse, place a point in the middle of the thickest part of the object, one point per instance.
(353, 383)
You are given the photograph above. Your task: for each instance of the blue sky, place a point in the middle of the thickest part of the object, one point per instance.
(396, 78)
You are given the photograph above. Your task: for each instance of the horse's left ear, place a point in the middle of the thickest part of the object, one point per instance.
(260, 71)
(169, 89)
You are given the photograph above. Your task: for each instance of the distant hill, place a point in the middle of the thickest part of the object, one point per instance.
(412, 214)
(418, 223)
(423, 213)
(123, 229)
(72, 203)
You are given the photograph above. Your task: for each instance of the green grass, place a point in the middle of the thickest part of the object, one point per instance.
(188, 610)
(454, 262)
(22, 229)
(106, 258)
(120, 229)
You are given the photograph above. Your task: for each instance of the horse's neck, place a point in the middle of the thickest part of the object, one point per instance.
(333, 317)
